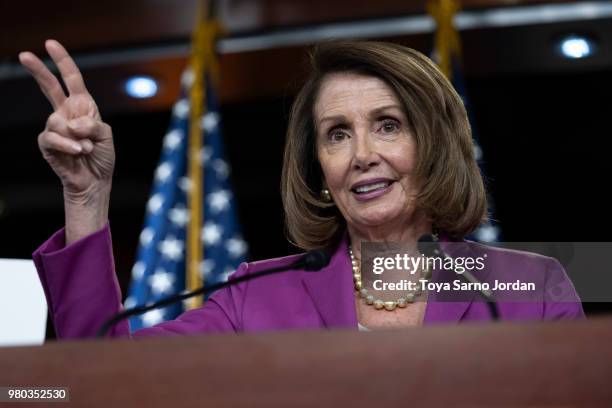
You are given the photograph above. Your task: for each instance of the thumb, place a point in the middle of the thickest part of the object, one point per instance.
(89, 128)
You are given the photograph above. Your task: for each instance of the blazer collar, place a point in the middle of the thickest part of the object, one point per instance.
(332, 289)
(447, 311)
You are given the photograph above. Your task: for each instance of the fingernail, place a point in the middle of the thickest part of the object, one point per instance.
(77, 147)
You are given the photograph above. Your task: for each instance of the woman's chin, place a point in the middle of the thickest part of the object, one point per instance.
(378, 217)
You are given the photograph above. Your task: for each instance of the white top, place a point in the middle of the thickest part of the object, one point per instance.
(362, 328)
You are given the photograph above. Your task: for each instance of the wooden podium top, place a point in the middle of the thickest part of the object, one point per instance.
(527, 364)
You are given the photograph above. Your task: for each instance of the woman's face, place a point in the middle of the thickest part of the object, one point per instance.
(366, 150)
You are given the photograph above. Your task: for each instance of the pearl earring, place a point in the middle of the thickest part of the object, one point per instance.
(326, 195)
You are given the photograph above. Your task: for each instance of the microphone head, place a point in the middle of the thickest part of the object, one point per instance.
(427, 245)
(315, 260)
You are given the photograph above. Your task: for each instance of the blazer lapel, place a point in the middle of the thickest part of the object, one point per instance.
(452, 311)
(332, 290)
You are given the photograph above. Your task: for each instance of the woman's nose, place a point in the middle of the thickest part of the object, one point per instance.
(365, 155)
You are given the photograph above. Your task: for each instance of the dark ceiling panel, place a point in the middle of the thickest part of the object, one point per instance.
(87, 28)
(93, 25)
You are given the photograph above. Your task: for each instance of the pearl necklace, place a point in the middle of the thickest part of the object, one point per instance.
(381, 304)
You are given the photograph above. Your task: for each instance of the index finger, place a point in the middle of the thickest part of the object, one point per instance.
(70, 72)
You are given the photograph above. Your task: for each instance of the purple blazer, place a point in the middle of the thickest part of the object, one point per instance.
(82, 292)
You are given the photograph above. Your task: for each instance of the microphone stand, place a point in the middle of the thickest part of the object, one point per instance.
(311, 261)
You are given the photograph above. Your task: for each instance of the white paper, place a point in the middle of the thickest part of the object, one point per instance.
(23, 307)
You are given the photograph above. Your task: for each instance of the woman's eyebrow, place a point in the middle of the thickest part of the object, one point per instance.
(384, 109)
(333, 118)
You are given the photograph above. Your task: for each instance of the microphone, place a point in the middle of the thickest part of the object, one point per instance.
(431, 248)
(311, 261)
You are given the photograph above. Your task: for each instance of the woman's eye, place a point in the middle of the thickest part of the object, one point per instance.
(390, 126)
(336, 136)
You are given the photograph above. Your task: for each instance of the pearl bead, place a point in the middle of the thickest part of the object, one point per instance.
(390, 306)
(363, 293)
(358, 285)
(356, 276)
(370, 299)
(379, 304)
(401, 302)
(410, 297)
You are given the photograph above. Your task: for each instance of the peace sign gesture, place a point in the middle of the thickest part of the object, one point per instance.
(75, 142)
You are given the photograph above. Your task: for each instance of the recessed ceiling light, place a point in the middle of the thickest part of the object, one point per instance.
(576, 46)
(141, 87)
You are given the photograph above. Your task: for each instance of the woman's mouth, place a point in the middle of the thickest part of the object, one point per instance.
(369, 190)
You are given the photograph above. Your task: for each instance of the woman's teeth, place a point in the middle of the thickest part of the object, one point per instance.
(371, 187)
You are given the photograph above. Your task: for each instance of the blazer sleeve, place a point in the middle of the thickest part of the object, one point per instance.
(82, 292)
(561, 301)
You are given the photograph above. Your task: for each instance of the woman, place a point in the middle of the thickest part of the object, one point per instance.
(378, 149)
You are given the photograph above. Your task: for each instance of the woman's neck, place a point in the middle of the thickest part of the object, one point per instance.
(409, 231)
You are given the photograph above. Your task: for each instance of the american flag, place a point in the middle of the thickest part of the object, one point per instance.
(160, 267)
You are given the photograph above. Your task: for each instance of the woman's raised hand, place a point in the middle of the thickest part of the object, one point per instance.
(76, 143)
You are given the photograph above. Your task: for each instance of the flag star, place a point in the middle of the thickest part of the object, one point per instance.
(236, 247)
(161, 282)
(210, 121)
(211, 233)
(172, 248)
(205, 154)
(187, 78)
(181, 109)
(206, 267)
(139, 267)
(146, 236)
(129, 303)
(173, 139)
(219, 200)
(155, 203)
(179, 216)
(185, 184)
(163, 172)
(152, 317)
(477, 152)
(487, 233)
(221, 168)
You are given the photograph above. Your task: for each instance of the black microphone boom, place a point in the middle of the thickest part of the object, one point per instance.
(431, 248)
(311, 261)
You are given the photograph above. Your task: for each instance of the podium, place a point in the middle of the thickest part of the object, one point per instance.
(551, 364)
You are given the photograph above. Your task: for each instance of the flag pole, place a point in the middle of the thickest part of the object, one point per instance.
(195, 250)
(446, 43)
(204, 63)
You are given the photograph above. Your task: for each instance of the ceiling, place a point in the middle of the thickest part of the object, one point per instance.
(262, 54)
